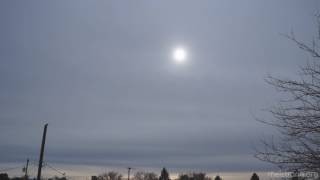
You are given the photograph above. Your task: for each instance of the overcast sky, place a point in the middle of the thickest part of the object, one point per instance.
(101, 74)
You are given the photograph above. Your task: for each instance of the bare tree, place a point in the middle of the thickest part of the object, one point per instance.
(110, 176)
(194, 176)
(139, 175)
(145, 176)
(150, 176)
(297, 117)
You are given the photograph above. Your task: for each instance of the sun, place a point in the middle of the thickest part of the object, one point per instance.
(179, 55)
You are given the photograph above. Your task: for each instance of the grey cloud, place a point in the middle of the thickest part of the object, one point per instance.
(100, 73)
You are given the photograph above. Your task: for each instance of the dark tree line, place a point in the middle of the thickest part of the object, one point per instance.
(112, 175)
(140, 175)
(4, 176)
(164, 175)
(194, 176)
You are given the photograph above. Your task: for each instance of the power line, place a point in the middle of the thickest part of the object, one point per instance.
(11, 168)
(55, 169)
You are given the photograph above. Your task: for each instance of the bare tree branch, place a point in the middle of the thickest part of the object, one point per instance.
(298, 117)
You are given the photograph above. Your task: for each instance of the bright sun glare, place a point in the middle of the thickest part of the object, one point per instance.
(179, 55)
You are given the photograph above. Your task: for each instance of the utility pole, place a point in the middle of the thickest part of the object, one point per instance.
(26, 170)
(42, 151)
(129, 168)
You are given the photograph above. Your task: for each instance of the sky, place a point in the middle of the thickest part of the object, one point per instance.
(101, 74)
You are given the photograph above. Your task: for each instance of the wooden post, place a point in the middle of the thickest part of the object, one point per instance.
(42, 151)
(129, 168)
(26, 170)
